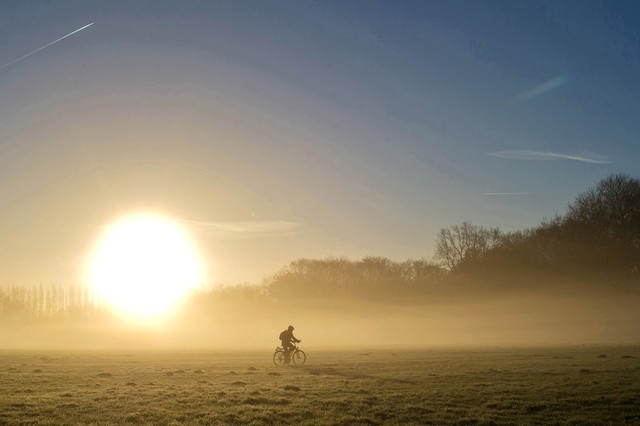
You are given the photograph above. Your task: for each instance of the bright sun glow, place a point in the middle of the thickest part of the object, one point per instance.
(144, 265)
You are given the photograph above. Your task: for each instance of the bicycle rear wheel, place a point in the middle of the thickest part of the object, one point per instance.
(299, 357)
(278, 358)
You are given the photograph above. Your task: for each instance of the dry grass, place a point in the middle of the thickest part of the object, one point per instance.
(495, 386)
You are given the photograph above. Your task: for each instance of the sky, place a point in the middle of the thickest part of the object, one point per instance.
(276, 130)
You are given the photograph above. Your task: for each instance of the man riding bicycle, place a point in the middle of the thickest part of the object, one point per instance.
(288, 339)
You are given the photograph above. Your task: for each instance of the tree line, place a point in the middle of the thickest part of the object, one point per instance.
(46, 302)
(597, 240)
(373, 278)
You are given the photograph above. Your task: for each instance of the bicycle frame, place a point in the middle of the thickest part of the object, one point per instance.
(294, 354)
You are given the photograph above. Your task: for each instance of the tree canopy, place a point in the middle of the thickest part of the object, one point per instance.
(611, 210)
(598, 236)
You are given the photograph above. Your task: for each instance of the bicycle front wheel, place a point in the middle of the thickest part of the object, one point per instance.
(278, 358)
(299, 357)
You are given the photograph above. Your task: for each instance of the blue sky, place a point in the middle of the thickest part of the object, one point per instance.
(280, 129)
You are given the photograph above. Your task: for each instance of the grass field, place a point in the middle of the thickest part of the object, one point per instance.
(581, 385)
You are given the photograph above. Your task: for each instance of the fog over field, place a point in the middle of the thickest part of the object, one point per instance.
(342, 212)
(201, 175)
(220, 321)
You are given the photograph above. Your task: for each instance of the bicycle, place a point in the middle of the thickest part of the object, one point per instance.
(296, 355)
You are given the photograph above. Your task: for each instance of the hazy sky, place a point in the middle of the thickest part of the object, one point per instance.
(284, 129)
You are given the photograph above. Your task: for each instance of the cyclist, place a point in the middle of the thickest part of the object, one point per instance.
(287, 338)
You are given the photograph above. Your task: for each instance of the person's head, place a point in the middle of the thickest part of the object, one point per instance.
(290, 328)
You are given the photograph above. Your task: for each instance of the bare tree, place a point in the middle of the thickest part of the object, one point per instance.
(465, 241)
(611, 209)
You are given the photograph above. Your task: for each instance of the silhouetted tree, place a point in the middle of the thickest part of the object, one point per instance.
(372, 278)
(604, 224)
(611, 209)
(40, 302)
(598, 239)
(457, 243)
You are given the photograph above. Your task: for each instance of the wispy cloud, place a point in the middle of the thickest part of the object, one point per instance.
(547, 86)
(585, 157)
(249, 228)
(511, 193)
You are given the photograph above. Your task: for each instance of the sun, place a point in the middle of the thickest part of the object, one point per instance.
(144, 264)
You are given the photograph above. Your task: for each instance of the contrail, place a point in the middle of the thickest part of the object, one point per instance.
(45, 46)
(521, 154)
(511, 193)
(538, 90)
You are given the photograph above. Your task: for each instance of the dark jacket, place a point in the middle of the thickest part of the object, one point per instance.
(287, 336)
